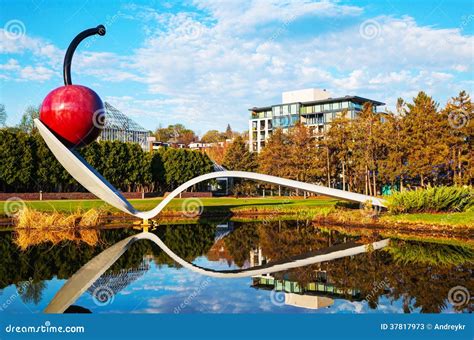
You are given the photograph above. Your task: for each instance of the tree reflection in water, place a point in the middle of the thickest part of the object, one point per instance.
(419, 273)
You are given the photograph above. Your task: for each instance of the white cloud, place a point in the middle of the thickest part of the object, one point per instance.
(10, 65)
(38, 73)
(210, 66)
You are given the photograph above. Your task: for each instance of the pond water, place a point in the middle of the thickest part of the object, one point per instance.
(407, 276)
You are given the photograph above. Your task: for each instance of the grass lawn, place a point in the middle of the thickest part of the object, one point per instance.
(210, 204)
(280, 205)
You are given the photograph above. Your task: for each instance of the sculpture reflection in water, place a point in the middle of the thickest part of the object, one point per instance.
(92, 270)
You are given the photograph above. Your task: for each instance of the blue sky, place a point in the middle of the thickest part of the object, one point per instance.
(204, 63)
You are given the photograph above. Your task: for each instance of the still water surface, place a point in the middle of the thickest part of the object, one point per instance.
(406, 277)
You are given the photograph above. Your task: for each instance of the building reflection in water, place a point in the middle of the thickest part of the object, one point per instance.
(110, 284)
(313, 295)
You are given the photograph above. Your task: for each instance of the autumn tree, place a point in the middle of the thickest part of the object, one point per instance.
(213, 136)
(273, 159)
(340, 142)
(393, 167)
(228, 132)
(177, 133)
(302, 154)
(238, 156)
(459, 118)
(425, 136)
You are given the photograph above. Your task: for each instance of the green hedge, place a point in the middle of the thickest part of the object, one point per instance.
(27, 165)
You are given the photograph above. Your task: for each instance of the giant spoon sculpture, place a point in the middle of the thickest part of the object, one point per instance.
(73, 116)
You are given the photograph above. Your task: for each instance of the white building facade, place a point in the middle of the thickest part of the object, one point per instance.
(312, 107)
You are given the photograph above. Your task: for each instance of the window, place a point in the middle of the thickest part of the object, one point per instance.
(345, 105)
(327, 107)
(276, 110)
(336, 106)
(293, 109)
(328, 117)
(285, 110)
(262, 125)
(254, 125)
(317, 108)
(320, 118)
(309, 109)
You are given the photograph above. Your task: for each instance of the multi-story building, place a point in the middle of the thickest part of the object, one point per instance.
(312, 107)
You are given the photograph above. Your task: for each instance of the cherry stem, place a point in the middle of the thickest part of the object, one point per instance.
(100, 30)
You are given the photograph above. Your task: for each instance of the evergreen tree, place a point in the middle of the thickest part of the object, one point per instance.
(238, 156)
(228, 132)
(425, 136)
(459, 116)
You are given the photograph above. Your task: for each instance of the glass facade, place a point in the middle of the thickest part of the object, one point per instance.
(121, 128)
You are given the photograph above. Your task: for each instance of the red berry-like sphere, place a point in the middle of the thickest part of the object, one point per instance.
(74, 113)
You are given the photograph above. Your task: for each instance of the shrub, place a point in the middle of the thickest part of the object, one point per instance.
(432, 199)
(428, 253)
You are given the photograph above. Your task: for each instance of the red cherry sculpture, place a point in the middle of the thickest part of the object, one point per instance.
(74, 113)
